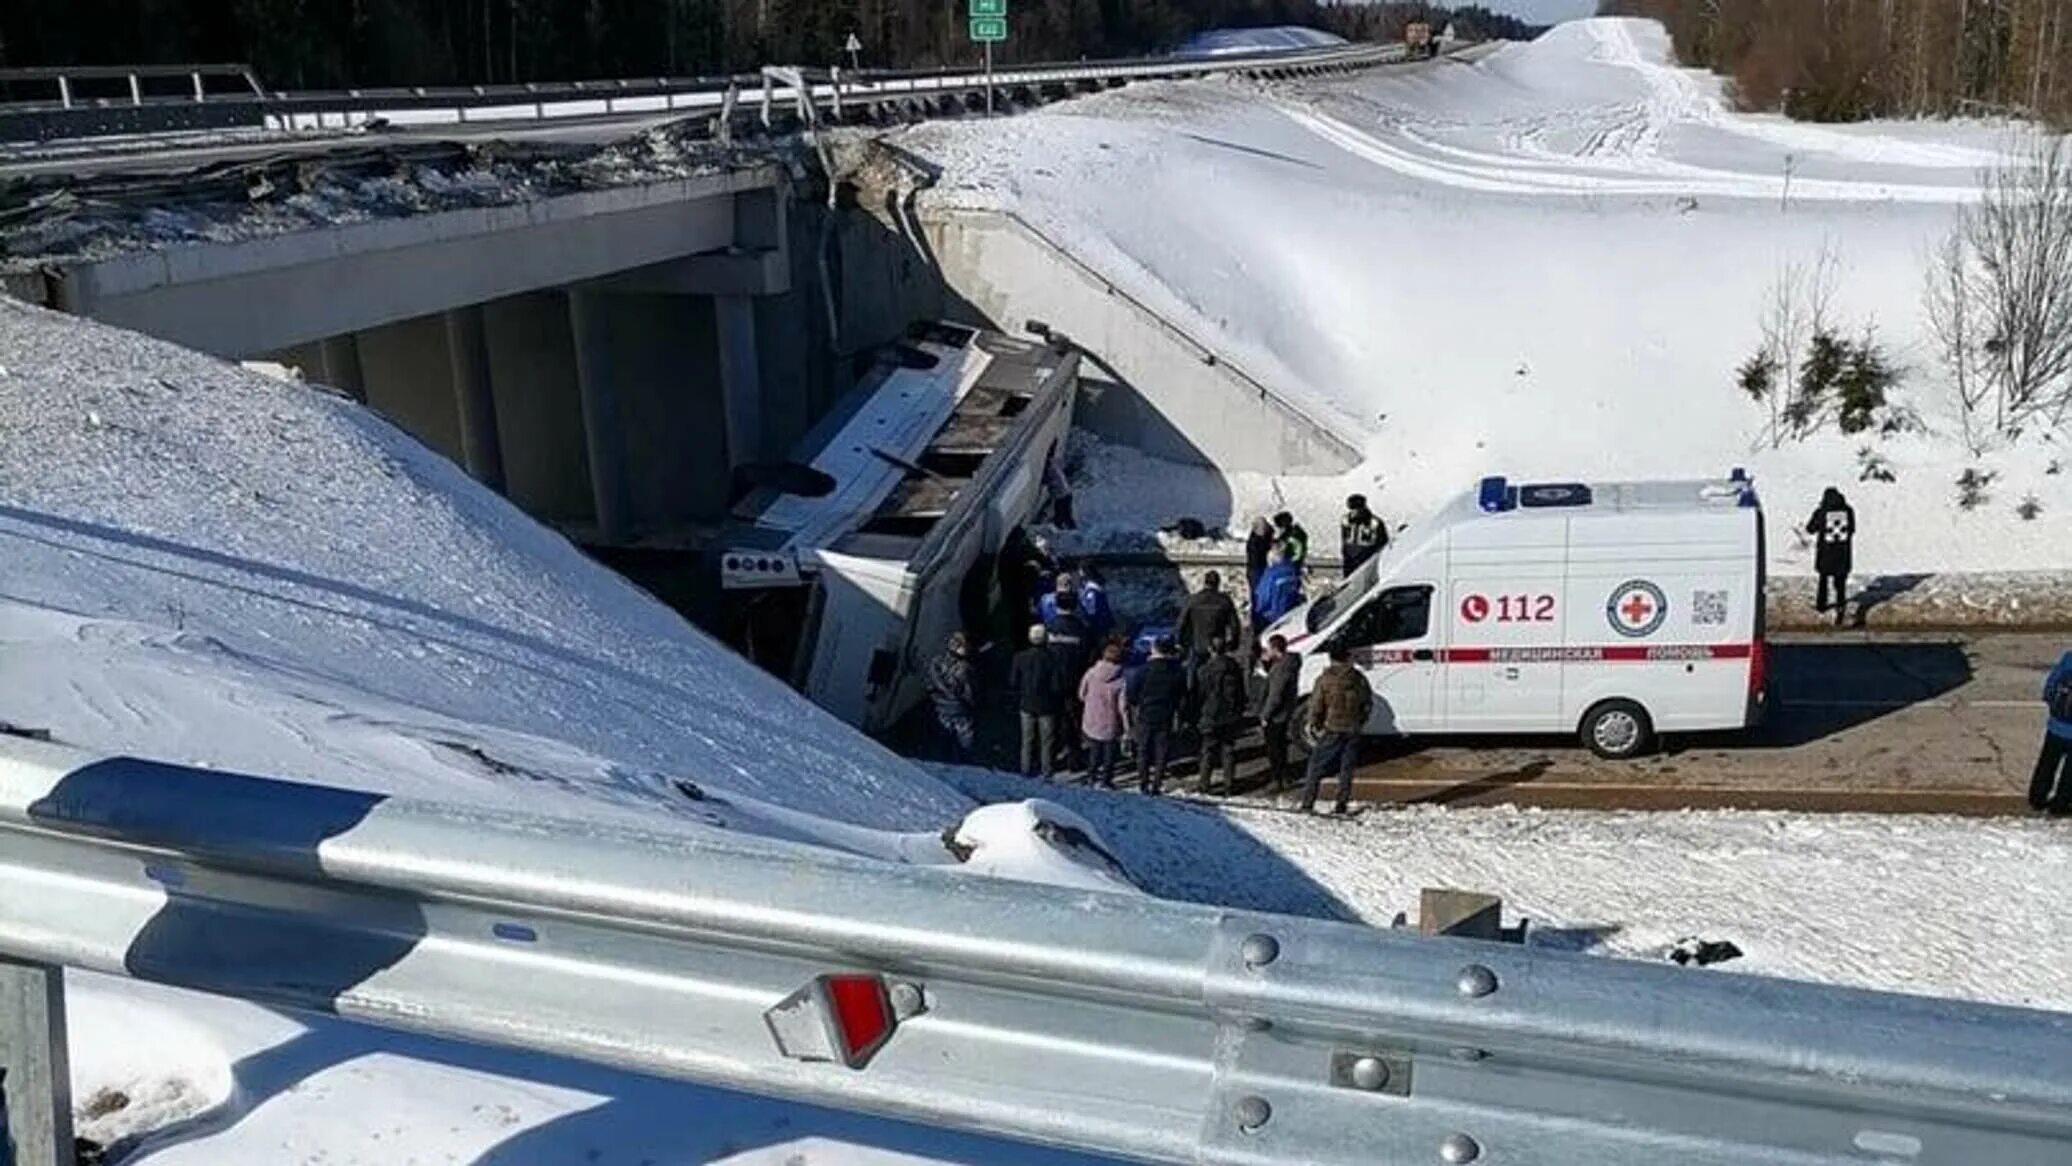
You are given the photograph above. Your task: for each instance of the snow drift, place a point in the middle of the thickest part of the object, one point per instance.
(1549, 261)
(202, 565)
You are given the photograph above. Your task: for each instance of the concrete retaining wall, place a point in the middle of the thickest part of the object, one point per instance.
(1177, 398)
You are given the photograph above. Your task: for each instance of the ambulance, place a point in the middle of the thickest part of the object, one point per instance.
(1618, 611)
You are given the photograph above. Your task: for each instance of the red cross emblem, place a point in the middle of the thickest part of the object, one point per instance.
(1636, 608)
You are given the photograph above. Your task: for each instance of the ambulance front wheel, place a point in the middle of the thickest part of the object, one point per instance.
(1618, 730)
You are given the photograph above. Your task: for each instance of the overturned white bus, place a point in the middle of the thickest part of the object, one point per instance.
(845, 577)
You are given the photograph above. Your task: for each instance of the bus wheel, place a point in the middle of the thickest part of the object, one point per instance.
(1618, 730)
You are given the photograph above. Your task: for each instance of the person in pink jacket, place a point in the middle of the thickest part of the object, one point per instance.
(1102, 722)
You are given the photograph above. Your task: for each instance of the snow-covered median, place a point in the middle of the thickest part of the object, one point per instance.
(1936, 906)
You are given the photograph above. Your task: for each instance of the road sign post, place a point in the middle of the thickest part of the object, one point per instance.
(988, 27)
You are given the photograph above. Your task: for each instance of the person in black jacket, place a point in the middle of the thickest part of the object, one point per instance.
(1039, 689)
(1209, 618)
(1221, 682)
(1154, 695)
(1833, 527)
(1277, 706)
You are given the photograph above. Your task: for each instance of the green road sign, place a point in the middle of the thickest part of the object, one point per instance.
(988, 8)
(988, 29)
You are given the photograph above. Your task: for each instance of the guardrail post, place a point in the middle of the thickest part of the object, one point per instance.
(35, 1072)
(65, 92)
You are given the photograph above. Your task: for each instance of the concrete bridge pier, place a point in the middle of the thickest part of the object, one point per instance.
(467, 354)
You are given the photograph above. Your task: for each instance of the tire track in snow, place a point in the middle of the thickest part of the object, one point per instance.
(1495, 174)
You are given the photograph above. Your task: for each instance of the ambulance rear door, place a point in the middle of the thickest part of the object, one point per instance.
(1671, 601)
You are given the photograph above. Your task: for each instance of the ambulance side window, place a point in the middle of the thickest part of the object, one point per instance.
(1395, 615)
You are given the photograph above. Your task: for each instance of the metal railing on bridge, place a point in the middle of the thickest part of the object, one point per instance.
(1120, 1024)
(69, 115)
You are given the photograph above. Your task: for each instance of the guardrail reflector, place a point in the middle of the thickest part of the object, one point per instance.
(843, 1018)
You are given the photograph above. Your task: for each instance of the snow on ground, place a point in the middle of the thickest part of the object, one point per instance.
(1927, 905)
(205, 565)
(1546, 262)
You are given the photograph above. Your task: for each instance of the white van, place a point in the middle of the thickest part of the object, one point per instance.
(1616, 610)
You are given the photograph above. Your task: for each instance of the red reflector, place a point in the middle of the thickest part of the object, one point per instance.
(863, 1014)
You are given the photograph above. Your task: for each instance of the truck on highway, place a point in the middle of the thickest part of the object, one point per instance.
(1614, 610)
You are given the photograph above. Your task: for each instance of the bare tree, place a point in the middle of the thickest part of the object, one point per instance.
(2001, 292)
(1797, 308)
(1948, 300)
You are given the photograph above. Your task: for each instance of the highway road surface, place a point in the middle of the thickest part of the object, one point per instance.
(1876, 722)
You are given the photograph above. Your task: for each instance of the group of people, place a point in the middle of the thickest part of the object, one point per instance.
(1080, 696)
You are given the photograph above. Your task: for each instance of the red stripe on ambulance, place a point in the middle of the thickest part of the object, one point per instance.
(1605, 654)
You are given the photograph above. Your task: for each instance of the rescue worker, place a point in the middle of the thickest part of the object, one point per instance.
(1278, 593)
(1221, 683)
(1093, 601)
(1833, 527)
(1338, 709)
(1101, 719)
(2051, 788)
(1039, 690)
(1277, 706)
(1361, 533)
(955, 696)
(1257, 545)
(1153, 698)
(1293, 540)
(1065, 583)
(1208, 618)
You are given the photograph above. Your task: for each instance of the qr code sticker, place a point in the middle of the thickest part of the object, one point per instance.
(1709, 608)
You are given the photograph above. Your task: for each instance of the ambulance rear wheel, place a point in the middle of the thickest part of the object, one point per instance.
(1618, 730)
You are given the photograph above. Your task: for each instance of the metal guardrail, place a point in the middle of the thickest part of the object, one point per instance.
(288, 110)
(1124, 1025)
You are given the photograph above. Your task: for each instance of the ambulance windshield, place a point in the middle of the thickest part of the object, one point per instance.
(1340, 598)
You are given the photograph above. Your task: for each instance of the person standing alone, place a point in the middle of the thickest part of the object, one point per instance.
(1039, 690)
(1833, 527)
(1338, 710)
(2051, 788)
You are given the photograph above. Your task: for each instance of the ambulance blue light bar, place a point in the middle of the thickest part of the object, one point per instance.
(1495, 496)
